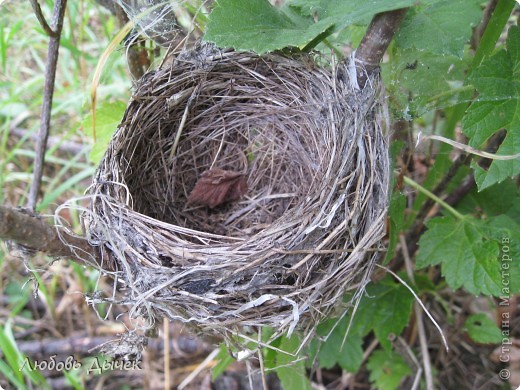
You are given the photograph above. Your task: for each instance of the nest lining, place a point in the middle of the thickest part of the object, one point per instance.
(315, 156)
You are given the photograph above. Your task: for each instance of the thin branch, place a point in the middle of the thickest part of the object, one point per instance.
(33, 233)
(41, 18)
(48, 92)
(380, 32)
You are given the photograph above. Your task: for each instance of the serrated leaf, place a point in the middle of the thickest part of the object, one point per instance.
(469, 257)
(450, 22)
(346, 12)
(387, 369)
(385, 309)
(349, 355)
(482, 329)
(506, 232)
(290, 370)
(258, 26)
(495, 200)
(108, 117)
(497, 80)
(419, 79)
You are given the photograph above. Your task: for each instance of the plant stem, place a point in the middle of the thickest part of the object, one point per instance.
(41, 19)
(48, 92)
(432, 196)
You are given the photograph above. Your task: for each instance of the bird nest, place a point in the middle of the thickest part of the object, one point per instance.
(243, 191)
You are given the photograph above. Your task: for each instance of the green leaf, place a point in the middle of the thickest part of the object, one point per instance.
(387, 369)
(257, 25)
(497, 80)
(10, 376)
(348, 355)
(385, 308)
(421, 80)
(343, 13)
(449, 22)
(16, 361)
(10, 352)
(74, 380)
(506, 232)
(495, 200)
(224, 360)
(108, 117)
(469, 256)
(290, 370)
(482, 329)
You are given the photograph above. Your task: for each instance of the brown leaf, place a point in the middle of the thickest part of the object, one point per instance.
(217, 186)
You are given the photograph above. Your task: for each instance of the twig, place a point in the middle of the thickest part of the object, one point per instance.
(35, 234)
(48, 92)
(375, 42)
(41, 19)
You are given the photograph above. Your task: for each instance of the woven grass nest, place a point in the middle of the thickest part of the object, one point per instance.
(305, 229)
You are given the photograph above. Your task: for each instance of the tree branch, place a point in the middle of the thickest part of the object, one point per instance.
(375, 42)
(33, 233)
(48, 92)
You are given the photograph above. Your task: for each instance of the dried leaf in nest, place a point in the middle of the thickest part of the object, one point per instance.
(217, 186)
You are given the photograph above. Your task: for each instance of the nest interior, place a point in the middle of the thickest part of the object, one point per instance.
(313, 151)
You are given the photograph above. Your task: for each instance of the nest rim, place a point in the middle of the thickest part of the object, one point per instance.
(297, 268)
